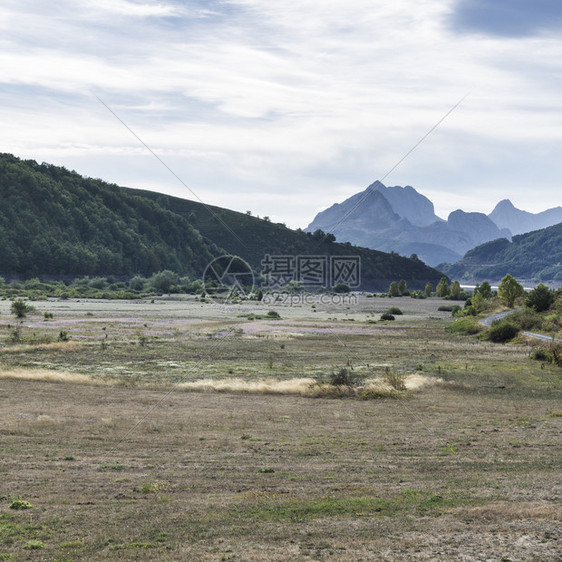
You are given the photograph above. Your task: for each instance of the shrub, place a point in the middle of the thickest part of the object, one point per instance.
(395, 380)
(273, 314)
(527, 319)
(20, 308)
(445, 308)
(387, 316)
(343, 378)
(502, 331)
(341, 288)
(467, 326)
(540, 355)
(394, 310)
(20, 504)
(551, 353)
(63, 336)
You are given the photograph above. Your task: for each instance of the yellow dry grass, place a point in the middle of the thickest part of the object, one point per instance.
(48, 375)
(54, 346)
(301, 386)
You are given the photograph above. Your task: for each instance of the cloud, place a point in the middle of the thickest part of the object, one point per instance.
(507, 18)
(144, 9)
(291, 105)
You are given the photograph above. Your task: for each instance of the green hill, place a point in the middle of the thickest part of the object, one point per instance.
(55, 222)
(536, 255)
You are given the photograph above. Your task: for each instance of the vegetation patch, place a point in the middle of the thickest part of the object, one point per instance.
(465, 326)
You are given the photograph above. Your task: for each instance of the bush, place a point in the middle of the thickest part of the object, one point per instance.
(387, 316)
(502, 331)
(540, 355)
(551, 353)
(445, 308)
(467, 326)
(341, 288)
(394, 310)
(20, 308)
(395, 380)
(20, 504)
(527, 319)
(273, 314)
(343, 378)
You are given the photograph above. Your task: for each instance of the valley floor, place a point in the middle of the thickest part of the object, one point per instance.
(120, 461)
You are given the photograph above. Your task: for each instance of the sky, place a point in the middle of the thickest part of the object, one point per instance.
(284, 107)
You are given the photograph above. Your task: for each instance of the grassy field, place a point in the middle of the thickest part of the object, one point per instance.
(181, 430)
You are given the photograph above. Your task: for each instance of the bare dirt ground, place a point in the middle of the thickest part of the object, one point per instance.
(124, 465)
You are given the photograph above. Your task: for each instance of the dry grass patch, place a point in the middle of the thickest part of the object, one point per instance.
(47, 375)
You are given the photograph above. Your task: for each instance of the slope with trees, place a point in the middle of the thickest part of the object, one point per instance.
(536, 255)
(58, 223)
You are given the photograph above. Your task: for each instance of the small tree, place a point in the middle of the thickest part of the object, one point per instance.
(20, 308)
(442, 288)
(485, 289)
(402, 287)
(163, 281)
(540, 298)
(393, 289)
(509, 290)
(428, 289)
(455, 290)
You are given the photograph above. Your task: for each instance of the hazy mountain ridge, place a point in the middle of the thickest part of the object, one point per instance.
(402, 220)
(506, 215)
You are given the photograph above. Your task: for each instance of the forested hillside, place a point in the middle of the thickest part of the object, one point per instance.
(56, 222)
(53, 221)
(536, 255)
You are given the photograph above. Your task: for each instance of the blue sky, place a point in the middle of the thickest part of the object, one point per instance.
(285, 107)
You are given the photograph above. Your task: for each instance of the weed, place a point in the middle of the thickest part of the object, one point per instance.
(394, 379)
(20, 504)
(104, 467)
(63, 336)
(72, 544)
(33, 545)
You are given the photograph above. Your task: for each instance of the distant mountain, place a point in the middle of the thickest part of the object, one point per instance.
(55, 222)
(505, 215)
(535, 255)
(401, 220)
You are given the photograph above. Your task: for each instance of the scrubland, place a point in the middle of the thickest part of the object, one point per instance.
(179, 429)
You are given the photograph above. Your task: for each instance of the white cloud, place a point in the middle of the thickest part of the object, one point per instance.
(264, 99)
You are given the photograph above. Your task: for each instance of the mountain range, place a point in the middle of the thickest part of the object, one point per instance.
(402, 220)
(55, 222)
